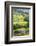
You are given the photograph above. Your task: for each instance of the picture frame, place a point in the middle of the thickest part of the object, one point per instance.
(19, 22)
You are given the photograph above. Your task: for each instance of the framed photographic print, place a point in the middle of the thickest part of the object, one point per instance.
(19, 22)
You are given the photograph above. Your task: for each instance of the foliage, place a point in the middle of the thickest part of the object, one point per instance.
(20, 22)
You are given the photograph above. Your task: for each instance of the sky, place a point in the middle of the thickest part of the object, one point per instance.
(28, 10)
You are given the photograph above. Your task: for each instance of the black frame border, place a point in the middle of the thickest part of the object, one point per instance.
(6, 19)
